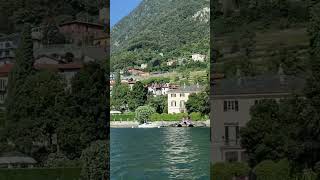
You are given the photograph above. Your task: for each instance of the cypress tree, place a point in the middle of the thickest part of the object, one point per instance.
(23, 67)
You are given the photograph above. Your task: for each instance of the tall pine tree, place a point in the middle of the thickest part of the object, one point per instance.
(23, 67)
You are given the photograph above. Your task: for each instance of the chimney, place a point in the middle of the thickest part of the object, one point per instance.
(281, 75)
(239, 78)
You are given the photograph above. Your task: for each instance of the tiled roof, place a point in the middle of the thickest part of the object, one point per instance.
(263, 84)
(6, 68)
(16, 158)
(187, 89)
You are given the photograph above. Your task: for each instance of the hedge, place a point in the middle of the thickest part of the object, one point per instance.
(269, 170)
(177, 117)
(226, 171)
(123, 117)
(159, 117)
(40, 174)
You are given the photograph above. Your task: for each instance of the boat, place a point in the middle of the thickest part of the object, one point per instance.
(148, 125)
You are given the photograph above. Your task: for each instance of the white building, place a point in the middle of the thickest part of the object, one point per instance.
(177, 98)
(230, 109)
(198, 57)
(171, 63)
(144, 66)
(160, 89)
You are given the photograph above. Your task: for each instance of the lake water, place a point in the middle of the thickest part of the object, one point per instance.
(160, 154)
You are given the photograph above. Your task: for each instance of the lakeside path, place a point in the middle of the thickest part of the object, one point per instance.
(130, 124)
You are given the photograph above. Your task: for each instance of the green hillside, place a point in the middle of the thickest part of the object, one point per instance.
(174, 28)
(258, 36)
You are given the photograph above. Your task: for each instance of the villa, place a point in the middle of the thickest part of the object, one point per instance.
(177, 98)
(231, 101)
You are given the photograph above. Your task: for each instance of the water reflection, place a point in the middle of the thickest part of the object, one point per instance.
(165, 153)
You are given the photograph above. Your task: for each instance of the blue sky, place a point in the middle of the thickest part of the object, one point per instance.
(121, 8)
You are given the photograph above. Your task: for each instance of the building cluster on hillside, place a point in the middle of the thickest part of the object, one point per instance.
(85, 42)
(231, 101)
(177, 96)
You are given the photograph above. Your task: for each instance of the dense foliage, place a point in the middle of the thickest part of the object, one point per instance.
(160, 30)
(226, 171)
(143, 113)
(96, 161)
(47, 115)
(138, 96)
(14, 13)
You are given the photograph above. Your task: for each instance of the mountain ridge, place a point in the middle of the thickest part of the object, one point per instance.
(161, 20)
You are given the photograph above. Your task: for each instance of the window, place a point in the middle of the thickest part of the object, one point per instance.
(182, 95)
(7, 44)
(7, 53)
(173, 103)
(231, 156)
(173, 95)
(257, 101)
(231, 134)
(182, 103)
(231, 106)
(2, 97)
(2, 84)
(226, 135)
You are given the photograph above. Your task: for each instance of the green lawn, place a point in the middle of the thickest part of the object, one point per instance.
(40, 174)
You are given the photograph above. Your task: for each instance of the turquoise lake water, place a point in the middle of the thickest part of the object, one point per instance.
(160, 154)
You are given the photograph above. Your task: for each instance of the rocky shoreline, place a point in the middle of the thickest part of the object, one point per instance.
(134, 124)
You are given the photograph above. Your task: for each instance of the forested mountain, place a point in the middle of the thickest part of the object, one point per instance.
(256, 36)
(13, 13)
(161, 26)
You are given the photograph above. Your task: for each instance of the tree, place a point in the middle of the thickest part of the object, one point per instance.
(17, 82)
(39, 111)
(88, 112)
(52, 35)
(248, 42)
(96, 161)
(120, 93)
(274, 131)
(138, 96)
(120, 97)
(159, 103)
(198, 102)
(257, 137)
(143, 113)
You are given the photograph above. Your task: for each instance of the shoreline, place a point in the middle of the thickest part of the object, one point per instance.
(134, 124)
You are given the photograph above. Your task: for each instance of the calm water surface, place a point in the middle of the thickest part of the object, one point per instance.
(160, 154)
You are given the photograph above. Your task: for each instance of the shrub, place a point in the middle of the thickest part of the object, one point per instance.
(226, 171)
(143, 113)
(239, 169)
(130, 116)
(265, 170)
(95, 160)
(167, 117)
(60, 160)
(269, 170)
(219, 171)
(308, 174)
(196, 116)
